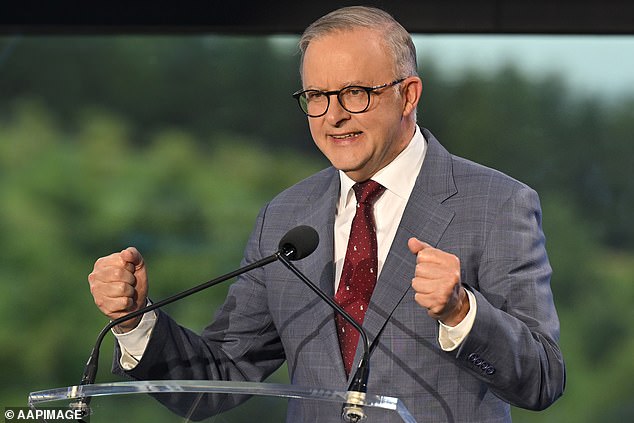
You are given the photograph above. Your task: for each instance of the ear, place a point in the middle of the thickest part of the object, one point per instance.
(413, 89)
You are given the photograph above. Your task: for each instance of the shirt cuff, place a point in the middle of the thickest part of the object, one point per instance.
(134, 342)
(450, 337)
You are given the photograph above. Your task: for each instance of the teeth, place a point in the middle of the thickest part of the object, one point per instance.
(340, 137)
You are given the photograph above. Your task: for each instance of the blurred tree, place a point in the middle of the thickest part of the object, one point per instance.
(209, 85)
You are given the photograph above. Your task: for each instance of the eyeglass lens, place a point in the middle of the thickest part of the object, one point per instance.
(353, 99)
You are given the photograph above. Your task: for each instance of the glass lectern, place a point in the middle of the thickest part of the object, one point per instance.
(129, 401)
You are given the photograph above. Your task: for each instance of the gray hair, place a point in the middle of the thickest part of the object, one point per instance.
(397, 39)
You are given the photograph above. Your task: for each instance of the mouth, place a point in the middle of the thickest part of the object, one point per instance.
(346, 136)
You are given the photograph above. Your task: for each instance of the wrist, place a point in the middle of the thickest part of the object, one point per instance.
(460, 312)
(127, 326)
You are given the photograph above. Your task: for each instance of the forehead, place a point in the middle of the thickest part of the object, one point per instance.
(343, 57)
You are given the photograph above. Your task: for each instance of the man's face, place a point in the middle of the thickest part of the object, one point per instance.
(359, 144)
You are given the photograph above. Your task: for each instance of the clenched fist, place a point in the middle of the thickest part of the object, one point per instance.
(119, 285)
(436, 283)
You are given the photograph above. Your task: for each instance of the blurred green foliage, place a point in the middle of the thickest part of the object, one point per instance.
(172, 144)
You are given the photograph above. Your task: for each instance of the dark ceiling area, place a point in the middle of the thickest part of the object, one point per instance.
(450, 16)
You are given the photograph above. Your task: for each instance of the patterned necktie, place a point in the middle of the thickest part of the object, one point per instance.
(358, 276)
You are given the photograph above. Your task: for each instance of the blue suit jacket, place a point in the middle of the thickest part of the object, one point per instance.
(490, 221)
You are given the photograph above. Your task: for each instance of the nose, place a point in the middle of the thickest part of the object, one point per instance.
(336, 114)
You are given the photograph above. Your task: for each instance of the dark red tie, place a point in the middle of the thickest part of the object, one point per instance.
(358, 276)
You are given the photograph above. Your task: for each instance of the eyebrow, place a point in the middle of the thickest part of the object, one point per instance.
(347, 84)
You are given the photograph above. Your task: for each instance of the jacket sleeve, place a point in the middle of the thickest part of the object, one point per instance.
(513, 344)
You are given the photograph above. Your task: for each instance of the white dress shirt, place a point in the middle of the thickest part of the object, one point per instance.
(398, 177)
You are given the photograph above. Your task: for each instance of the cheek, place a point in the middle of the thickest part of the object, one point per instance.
(315, 128)
(316, 132)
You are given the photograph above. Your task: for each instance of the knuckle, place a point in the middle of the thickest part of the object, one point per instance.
(418, 270)
(114, 290)
(424, 255)
(101, 261)
(119, 274)
(121, 289)
(102, 305)
(121, 303)
(417, 284)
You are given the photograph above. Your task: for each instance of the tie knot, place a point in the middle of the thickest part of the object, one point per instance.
(368, 192)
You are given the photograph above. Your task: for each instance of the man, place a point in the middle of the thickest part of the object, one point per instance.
(456, 280)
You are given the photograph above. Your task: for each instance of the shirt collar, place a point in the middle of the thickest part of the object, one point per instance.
(398, 177)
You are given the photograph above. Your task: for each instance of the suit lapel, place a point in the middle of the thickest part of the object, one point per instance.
(320, 265)
(322, 203)
(424, 217)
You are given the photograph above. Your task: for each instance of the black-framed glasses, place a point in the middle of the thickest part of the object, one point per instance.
(354, 98)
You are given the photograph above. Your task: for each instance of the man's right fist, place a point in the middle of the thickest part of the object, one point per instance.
(119, 285)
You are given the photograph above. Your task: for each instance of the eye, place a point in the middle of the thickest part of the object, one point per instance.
(354, 92)
(314, 95)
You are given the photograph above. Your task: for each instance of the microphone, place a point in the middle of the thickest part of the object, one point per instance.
(352, 410)
(296, 244)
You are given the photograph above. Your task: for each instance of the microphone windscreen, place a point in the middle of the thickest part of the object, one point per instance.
(301, 240)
